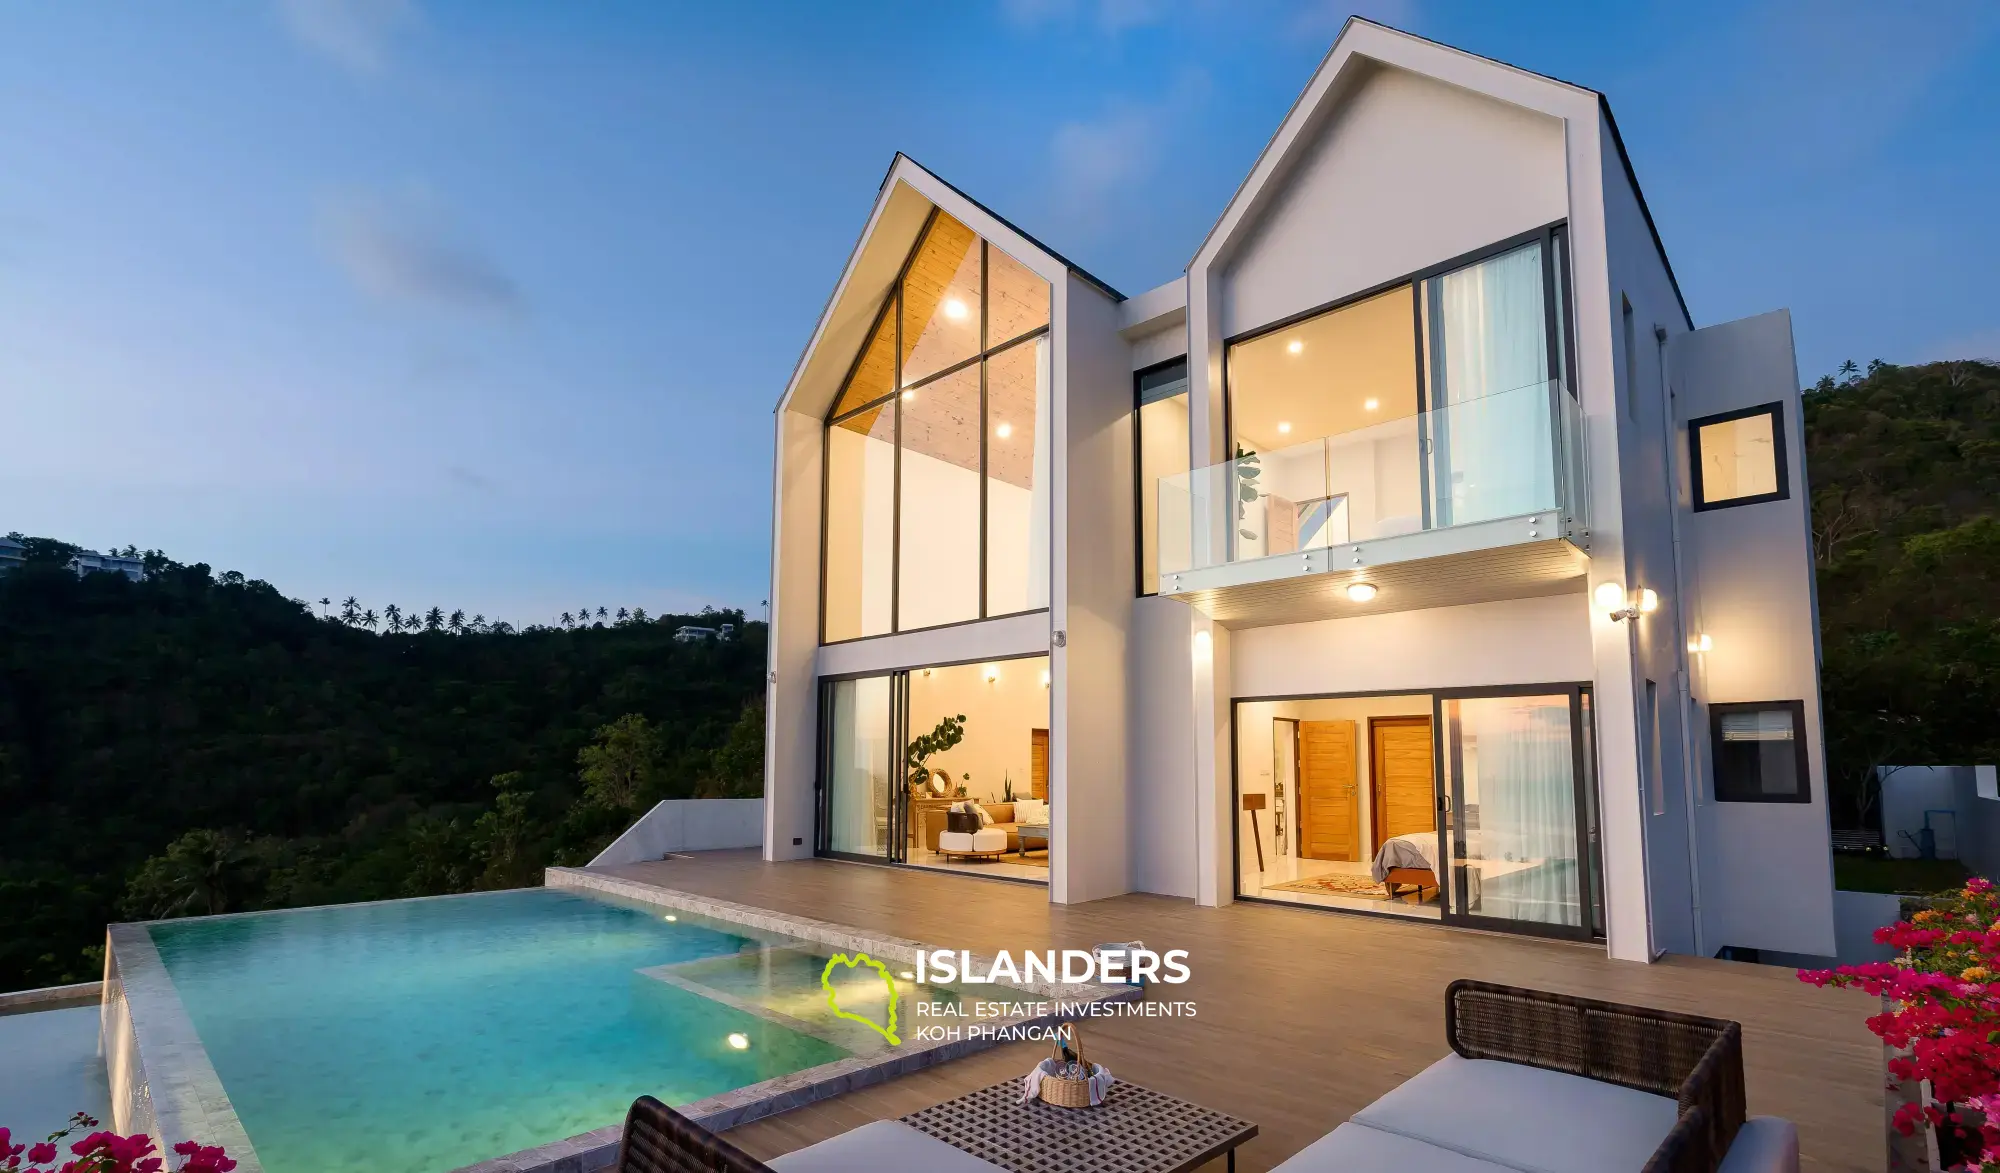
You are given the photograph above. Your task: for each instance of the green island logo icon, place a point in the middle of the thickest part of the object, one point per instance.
(833, 996)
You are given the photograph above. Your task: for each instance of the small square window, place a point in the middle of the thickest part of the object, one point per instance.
(1738, 457)
(1760, 752)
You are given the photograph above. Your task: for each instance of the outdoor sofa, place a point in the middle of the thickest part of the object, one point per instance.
(1548, 1083)
(660, 1140)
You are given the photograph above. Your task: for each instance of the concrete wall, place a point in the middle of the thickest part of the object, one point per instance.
(1092, 601)
(1856, 916)
(1160, 808)
(687, 824)
(1750, 569)
(1907, 793)
(1641, 413)
(1402, 172)
(1520, 641)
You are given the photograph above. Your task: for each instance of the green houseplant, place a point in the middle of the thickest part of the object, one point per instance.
(949, 732)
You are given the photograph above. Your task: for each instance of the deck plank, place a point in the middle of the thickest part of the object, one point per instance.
(1303, 1016)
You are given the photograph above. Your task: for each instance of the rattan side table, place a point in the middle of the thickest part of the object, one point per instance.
(1135, 1130)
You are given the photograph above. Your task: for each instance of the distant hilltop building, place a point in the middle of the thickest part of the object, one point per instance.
(691, 634)
(92, 562)
(14, 554)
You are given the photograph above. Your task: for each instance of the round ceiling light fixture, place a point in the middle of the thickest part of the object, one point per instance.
(1362, 592)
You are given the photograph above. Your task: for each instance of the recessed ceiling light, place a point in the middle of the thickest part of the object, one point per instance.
(909, 395)
(1295, 346)
(1370, 404)
(1284, 427)
(740, 1042)
(1361, 592)
(954, 309)
(1004, 431)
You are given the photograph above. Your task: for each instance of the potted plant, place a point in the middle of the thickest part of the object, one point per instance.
(949, 732)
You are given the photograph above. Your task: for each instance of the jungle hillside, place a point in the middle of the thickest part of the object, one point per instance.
(197, 743)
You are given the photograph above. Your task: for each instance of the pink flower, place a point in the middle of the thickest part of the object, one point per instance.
(42, 1153)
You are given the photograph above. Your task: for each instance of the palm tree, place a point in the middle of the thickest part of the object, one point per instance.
(434, 619)
(457, 623)
(395, 616)
(479, 623)
(350, 610)
(323, 605)
(368, 619)
(1848, 370)
(623, 614)
(602, 614)
(566, 620)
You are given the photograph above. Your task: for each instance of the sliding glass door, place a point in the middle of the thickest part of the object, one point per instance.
(1518, 837)
(858, 816)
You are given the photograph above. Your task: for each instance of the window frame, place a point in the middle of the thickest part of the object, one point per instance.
(1139, 376)
(892, 303)
(1776, 410)
(1797, 709)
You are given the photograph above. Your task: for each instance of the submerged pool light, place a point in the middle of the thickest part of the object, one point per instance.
(740, 1042)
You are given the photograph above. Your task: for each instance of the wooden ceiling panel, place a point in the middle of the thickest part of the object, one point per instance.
(1018, 298)
(875, 375)
(941, 300)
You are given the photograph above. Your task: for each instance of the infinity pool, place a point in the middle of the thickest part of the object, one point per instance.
(418, 1036)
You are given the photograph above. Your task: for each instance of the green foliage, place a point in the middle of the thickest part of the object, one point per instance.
(198, 742)
(621, 763)
(949, 732)
(1904, 464)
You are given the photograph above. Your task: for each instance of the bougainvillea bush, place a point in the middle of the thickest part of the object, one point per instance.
(1943, 1016)
(105, 1152)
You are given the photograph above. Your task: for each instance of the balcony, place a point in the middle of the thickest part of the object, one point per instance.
(1473, 501)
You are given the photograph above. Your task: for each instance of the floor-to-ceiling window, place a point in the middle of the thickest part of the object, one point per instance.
(899, 750)
(937, 449)
(1161, 439)
(1430, 403)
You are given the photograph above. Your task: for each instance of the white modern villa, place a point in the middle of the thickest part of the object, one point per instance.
(1411, 554)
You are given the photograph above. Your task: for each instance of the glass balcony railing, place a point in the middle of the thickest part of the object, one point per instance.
(1508, 454)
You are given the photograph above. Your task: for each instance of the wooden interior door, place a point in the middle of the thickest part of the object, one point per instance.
(1329, 802)
(1038, 764)
(1404, 784)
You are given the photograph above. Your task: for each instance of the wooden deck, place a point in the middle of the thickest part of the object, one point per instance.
(1303, 1016)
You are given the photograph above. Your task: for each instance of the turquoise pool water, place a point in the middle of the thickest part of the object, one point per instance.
(418, 1036)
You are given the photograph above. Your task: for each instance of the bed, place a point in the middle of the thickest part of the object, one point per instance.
(1407, 860)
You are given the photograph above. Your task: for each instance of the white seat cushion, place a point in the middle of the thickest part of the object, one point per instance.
(878, 1147)
(984, 839)
(1525, 1117)
(1765, 1144)
(1356, 1148)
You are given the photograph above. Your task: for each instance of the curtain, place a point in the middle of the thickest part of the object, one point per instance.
(858, 821)
(1487, 348)
(1526, 808)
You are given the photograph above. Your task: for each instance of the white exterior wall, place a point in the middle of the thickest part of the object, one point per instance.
(1092, 602)
(1769, 863)
(1641, 415)
(791, 689)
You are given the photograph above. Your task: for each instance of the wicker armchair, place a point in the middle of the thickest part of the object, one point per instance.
(1699, 1061)
(660, 1140)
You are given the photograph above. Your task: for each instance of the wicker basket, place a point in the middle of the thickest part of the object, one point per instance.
(1062, 1091)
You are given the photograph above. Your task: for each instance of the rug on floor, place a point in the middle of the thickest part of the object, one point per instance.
(1337, 883)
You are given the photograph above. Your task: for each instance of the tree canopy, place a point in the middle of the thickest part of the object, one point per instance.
(197, 743)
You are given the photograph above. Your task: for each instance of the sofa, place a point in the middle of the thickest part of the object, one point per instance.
(1547, 1083)
(1003, 821)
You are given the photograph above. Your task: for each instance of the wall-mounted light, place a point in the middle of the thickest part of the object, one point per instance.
(1700, 643)
(1649, 600)
(992, 673)
(1612, 598)
(1294, 346)
(1045, 678)
(1362, 592)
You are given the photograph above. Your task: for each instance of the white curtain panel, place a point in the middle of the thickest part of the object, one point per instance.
(1527, 808)
(859, 818)
(1489, 367)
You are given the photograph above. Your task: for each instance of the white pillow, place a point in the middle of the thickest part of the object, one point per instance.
(1031, 812)
(985, 819)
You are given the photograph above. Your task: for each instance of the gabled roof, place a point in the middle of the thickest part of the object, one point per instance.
(903, 201)
(1304, 108)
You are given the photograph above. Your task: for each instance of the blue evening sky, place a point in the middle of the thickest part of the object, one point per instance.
(487, 305)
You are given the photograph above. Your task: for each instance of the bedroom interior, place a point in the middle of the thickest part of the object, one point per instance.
(1339, 802)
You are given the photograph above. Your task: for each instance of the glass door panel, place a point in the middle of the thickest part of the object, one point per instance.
(1514, 838)
(857, 816)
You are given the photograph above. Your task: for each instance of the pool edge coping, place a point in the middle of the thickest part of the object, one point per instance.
(598, 1148)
